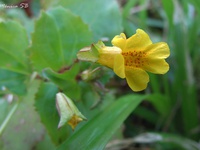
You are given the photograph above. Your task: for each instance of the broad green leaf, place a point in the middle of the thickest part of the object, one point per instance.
(58, 35)
(74, 33)
(102, 16)
(13, 43)
(45, 144)
(19, 16)
(15, 82)
(96, 133)
(24, 129)
(45, 104)
(66, 81)
(46, 45)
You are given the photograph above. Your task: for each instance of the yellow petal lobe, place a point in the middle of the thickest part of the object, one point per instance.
(157, 66)
(137, 78)
(119, 66)
(119, 41)
(158, 50)
(138, 41)
(155, 58)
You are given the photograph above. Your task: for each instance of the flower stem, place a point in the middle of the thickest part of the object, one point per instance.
(9, 116)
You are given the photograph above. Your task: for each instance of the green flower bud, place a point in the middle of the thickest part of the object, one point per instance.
(68, 112)
(89, 75)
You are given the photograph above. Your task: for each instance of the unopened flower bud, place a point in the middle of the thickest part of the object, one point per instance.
(68, 112)
(89, 75)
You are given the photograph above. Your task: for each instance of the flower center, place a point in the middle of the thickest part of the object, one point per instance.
(74, 121)
(134, 58)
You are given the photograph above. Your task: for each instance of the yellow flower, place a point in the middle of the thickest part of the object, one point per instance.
(131, 58)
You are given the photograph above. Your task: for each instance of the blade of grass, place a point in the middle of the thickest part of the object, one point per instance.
(128, 6)
(184, 89)
(168, 7)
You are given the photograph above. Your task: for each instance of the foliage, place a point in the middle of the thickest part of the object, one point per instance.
(38, 59)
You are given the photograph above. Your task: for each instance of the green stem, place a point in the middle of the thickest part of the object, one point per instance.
(9, 116)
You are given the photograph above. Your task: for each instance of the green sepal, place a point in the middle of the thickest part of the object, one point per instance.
(90, 53)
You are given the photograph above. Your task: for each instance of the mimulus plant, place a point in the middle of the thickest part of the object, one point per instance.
(130, 58)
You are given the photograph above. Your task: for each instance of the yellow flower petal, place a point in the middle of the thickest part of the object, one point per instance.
(137, 79)
(119, 66)
(119, 41)
(138, 41)
(107, 55)
(155, 55)
(157, 66)
(158, 50)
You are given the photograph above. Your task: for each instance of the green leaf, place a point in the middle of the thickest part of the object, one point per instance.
(102, 16)
(46, 47)
(58, 36)
(24, 128)
(188, 94)
(103, 126)
(161, 104)
(66, 81)
(46, 106)
(13, 81)
(12, 55)
(147, 114)
(45, 144)
(74, 33)
(19, 16)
